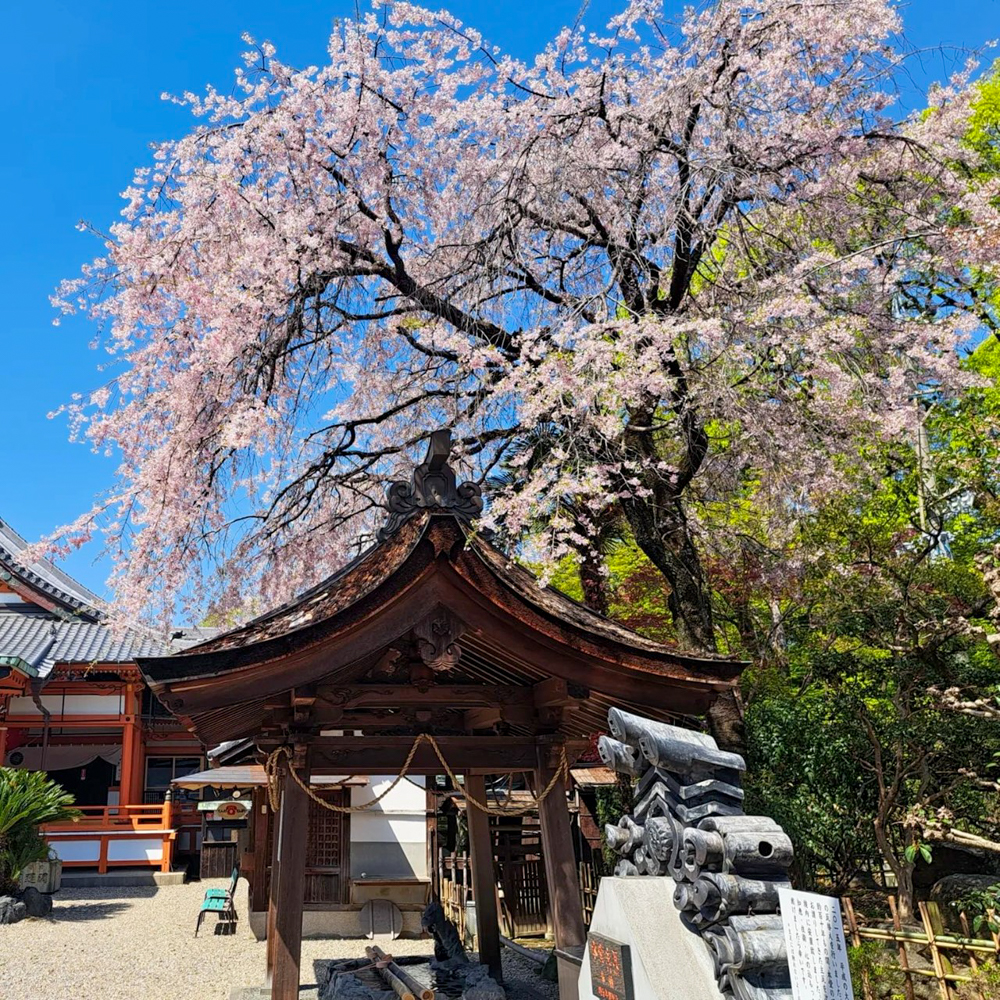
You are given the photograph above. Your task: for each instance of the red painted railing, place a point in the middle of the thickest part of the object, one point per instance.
(112, 817)
(101, 826)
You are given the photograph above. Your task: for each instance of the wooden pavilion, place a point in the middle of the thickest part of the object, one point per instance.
(431, 631)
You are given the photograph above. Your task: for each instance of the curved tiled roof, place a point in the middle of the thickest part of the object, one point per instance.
(43, 576)
(66, 626)
(37, 639)
(377, 564)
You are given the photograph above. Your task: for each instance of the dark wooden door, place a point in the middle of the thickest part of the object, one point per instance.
(218, 858)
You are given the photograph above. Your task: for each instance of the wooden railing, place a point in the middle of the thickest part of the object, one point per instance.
(117, 817)
(454, 897)
(115, 836)
(455, 888)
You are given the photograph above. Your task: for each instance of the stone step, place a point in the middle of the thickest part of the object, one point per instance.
(83, 878)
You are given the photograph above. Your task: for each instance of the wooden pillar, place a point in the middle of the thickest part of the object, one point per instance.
(3, 744)
(259, 860)
(565, 904)
(483, 879)
(132, 783)
(293, 832)
(274, 822)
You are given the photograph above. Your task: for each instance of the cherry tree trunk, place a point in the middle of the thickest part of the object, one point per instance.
(594, 584)
(904, 897)
(664, 535)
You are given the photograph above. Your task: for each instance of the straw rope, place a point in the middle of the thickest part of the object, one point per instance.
(273, 763)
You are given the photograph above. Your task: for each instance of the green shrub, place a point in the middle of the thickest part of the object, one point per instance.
(985, 983)
(27, 799)
(870, 960)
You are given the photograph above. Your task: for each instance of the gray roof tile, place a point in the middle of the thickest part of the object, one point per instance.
(44, 574)
(27, 636)
(75, 631)
(43, 640)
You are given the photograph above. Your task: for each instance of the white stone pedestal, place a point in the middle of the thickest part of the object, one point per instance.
(668, 960)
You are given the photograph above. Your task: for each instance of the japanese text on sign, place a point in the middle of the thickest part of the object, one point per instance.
(610, 968)
(817, 952)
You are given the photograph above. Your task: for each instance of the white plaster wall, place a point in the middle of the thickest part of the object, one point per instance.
(390, 839)
(144, 849)
(73, 704)
(76, 850)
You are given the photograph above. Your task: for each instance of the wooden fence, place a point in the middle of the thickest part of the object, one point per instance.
(942, 946)
(589, 883)
(521, 893)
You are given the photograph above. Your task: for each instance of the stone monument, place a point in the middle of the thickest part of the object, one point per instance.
(692, 909)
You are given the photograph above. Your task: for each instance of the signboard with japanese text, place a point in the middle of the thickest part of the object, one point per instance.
(817, 951)
(231, 811)
(610, 968)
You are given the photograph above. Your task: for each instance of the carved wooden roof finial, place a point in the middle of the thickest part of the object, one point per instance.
(434, 486)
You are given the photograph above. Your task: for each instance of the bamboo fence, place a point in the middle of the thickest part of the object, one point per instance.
(942, 946)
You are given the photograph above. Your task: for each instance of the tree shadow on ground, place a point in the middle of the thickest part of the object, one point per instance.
(90, 894)
(95, 910)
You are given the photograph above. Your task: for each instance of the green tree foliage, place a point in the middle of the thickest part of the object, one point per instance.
(853, 742)
(873, 702)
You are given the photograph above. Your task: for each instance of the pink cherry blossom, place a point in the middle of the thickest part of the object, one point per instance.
(683, 244)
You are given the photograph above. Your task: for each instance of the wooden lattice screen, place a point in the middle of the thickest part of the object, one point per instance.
(326, 856)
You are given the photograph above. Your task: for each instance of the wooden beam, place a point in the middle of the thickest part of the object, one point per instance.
(385, 754)
(481, 718)
(550, 692)
(405, 695)
(293, 835)
(483, 878)
(557, 852)
(372, 721)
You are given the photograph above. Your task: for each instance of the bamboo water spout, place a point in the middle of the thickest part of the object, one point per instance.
(402, 983)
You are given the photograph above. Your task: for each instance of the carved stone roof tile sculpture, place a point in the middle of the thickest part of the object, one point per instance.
(688, 822)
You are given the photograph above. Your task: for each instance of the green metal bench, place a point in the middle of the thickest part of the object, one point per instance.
(221, 902)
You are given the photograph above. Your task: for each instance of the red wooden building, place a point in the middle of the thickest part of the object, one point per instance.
(73, 703)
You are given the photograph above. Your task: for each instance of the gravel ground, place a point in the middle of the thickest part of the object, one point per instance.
(139, 944)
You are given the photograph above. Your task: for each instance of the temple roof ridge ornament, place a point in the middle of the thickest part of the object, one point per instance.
(434, 486)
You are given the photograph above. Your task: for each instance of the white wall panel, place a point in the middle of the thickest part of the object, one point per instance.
(137, 849)
(72, 704)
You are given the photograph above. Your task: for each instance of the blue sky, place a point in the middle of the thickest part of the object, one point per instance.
(83, 104)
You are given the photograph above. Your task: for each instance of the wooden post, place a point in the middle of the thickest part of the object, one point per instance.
(166, 821)
(904, 960)
(483, 879)
(274, 822)
(293, 835)
(131, 783)
(3, 744)
(852, 925)
(565, 905)
(259, 859)
(560, 861)
(933, 925)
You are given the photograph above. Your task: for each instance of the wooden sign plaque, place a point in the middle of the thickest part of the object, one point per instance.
(610, 968)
